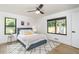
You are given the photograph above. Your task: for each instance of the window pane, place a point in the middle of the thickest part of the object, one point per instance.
(10, 25)
(51, 26)
(10, 22)
(61, 26)
(10, 30)
(57, 26)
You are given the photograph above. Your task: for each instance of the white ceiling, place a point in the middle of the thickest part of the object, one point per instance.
(48, 9)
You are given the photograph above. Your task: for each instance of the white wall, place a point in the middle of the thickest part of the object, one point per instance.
(41, 25)
(66, 39)
(19, 18)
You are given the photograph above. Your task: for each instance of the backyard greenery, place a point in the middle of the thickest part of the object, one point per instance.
(57, 26)
(10, 25)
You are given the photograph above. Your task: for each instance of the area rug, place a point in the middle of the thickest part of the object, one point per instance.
(17, 48)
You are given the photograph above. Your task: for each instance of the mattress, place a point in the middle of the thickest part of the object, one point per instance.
(31, 39)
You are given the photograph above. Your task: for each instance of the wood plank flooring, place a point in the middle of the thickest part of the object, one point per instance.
(51, 47)
(17, 48)
(64, 49)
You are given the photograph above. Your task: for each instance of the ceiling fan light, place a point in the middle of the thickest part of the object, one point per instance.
(37, 12)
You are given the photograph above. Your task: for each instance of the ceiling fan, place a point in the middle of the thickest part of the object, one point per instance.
(38, 9)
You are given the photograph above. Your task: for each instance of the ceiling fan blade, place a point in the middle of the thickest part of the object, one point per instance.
(41, 12)
(40, 6)
(31, 11)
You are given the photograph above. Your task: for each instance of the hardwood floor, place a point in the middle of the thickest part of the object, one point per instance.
(3, 48)
(15, 47)
(64, 49)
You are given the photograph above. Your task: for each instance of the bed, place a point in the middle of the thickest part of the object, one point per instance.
(29, 39)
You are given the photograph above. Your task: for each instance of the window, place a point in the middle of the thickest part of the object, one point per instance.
(10, 25)
(51, 26)
(57, 26)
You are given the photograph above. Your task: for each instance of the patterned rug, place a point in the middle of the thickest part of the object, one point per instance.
(17, 48)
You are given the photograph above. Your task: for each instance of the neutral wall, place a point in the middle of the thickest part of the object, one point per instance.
(19, 18)
(41, 25)
(66, 39)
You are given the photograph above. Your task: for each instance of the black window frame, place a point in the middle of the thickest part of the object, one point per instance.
(55, 19)
(6, 26)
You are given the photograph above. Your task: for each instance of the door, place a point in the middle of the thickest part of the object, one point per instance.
(75, 30)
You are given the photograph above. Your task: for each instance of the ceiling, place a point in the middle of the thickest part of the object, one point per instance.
(48, 9)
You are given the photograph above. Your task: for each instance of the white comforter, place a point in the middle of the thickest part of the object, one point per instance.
(30, 39)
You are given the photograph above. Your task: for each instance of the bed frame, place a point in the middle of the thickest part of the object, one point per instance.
(37, 44)
(34, 45)
(18, 29)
